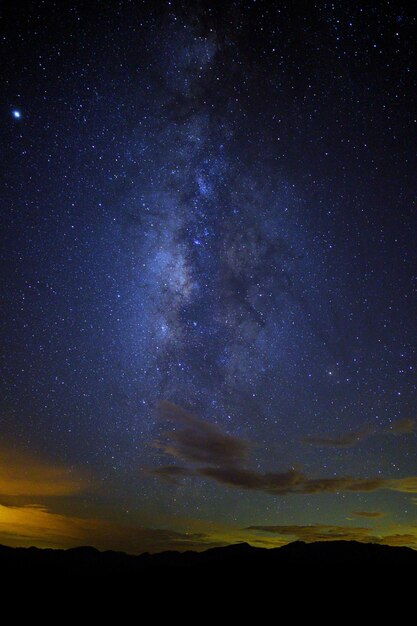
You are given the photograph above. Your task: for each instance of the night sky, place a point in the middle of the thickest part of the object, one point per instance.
(209, 273)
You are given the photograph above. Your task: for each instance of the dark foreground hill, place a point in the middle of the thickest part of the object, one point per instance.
(234, 560)
(324, 580)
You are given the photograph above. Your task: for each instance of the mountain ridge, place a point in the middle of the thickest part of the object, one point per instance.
(311, 569)
(315, 551)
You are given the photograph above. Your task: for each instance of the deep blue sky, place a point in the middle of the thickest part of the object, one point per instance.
(208, 220)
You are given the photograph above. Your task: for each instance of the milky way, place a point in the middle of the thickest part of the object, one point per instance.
(223, 257)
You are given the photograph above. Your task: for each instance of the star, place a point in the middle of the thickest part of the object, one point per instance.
(191, 220)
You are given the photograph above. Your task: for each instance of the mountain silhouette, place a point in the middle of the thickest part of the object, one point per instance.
(301, 577)
(238, 558)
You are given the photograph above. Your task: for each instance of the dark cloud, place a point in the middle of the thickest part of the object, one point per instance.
(370, 514)
(198, 441)
(224, 459)
(400, 427)
(289, 482)
(279, 484)
(343, 441)
(343, 483)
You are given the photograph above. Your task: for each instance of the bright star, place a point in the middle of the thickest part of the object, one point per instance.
(16, 114)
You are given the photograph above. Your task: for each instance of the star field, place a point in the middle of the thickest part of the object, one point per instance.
(209, 269)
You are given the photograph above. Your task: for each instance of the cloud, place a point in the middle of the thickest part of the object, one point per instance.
(400, 427)
(22, 474)
(343, 441)
(198, 441)
(224, 458)
(404, 426)
(290, 482)
(405, 485)
(369, 514)
(285, 483)
(36, 524)
(39, 525)
(319, 532)
(400, 540)
(330, 532)
(24, 525)
(278, 484)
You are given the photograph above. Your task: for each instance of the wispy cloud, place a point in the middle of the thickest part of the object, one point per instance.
(224, 458)
(294, 481)
(405, 485)
(346, 440)
(36, 524)
(330, 532)
(405, 539)
(369, 514)
(319, 532)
